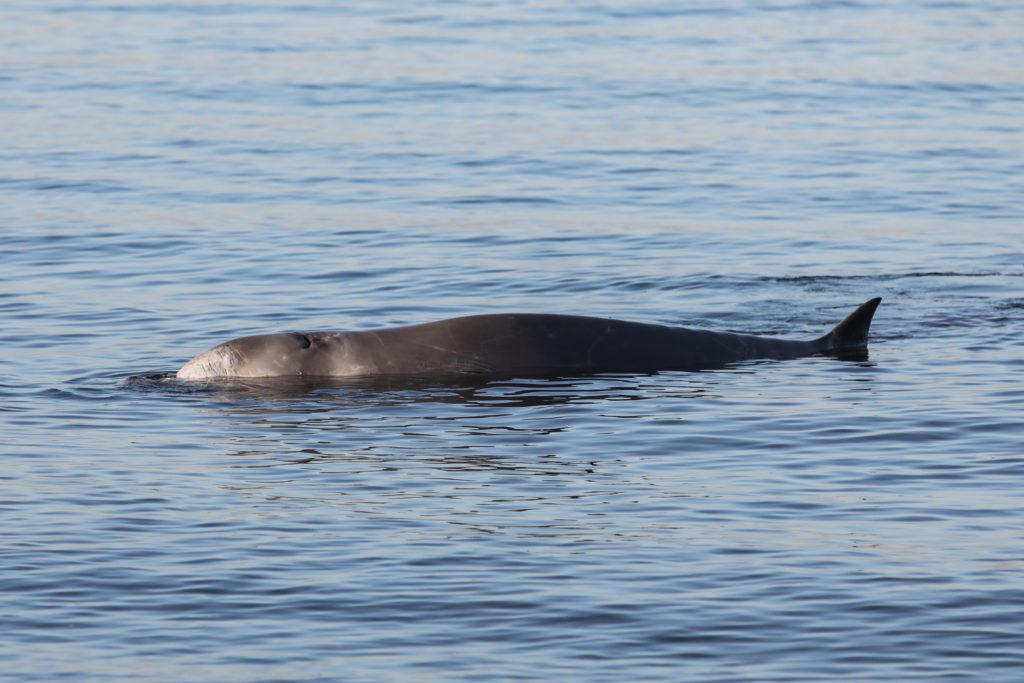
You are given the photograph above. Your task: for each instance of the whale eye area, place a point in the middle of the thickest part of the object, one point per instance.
(303, 340)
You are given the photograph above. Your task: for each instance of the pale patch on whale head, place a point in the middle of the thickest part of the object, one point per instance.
(219, 361)
(266, 355)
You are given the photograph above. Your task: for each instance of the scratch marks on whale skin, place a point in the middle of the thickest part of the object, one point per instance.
(469, 366)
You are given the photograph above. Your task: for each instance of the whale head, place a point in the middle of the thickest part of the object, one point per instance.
(263, 355)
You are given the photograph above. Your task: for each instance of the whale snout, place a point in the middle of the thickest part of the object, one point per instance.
(264, 355)
(217, 362)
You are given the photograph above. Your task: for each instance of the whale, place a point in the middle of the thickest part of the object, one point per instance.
(513, 345)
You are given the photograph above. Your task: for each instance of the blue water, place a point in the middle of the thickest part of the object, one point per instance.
(176, 174)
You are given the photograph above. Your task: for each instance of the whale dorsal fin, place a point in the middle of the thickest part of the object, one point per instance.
(852, 332)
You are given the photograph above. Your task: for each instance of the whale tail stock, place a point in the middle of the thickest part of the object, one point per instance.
(851, 335)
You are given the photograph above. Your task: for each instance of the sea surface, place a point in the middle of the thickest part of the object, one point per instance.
(175, 174)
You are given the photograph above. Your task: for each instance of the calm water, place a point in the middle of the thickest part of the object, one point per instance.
(174, 174)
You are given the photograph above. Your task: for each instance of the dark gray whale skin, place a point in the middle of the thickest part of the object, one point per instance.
(511, 345)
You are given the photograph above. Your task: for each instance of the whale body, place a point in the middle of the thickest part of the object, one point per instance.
(522, 345)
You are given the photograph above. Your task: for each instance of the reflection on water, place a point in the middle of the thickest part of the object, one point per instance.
(328, 393)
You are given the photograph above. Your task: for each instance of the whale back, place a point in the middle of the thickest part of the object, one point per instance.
(516, 344)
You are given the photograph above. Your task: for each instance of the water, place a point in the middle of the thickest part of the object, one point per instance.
(176, 174)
